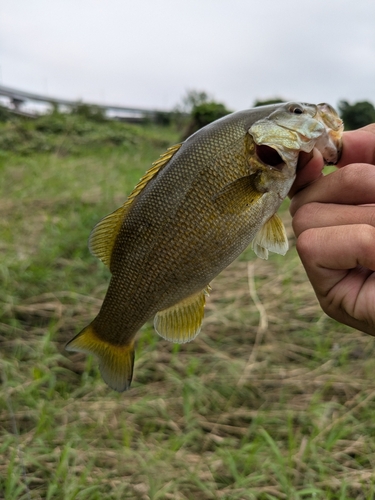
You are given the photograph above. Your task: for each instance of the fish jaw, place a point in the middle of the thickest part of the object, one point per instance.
(330, 143)
(296, 127)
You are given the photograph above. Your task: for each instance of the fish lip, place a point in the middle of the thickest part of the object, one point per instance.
(330, 146)
(338, 155)
(339, 150)
(334, 126)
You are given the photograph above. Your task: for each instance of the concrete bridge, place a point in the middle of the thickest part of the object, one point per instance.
(19, 101)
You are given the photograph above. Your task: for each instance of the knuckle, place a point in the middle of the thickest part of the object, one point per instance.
(349, 176)
(306, 243)
(370, 128)
(367, 237)
(371, 216)
(304, 217)
(354, 175)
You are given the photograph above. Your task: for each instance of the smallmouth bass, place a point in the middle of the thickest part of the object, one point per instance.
(194, 212)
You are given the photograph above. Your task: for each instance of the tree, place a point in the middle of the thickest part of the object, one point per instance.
(204, 114)
(197, 109)
(194, 98)
(356, 115)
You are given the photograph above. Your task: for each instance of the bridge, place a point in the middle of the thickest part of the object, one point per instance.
(19, 101)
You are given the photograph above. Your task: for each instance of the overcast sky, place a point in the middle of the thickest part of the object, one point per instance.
(149, 53)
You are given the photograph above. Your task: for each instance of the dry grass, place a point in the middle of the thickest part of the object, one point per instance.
(273, 400)
(245, 411)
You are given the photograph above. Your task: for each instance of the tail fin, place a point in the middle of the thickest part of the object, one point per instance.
(115, 362)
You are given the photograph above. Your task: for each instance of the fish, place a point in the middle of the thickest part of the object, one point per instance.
(194, 212)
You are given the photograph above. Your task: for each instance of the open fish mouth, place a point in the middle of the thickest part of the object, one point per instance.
(296, 127)
(269, 156)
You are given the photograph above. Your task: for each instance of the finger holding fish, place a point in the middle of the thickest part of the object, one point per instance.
(351, 185)
(355, 150)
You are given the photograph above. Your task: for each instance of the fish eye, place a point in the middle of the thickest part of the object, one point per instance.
(297, 110)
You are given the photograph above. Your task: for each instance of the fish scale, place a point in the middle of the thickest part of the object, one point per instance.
(198, 207)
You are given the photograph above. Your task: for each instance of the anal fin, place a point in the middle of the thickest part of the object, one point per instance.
(271, 237)
(182, 322)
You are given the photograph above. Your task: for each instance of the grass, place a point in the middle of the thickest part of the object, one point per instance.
(273, 400)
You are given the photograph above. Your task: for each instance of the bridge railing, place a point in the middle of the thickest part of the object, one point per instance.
(21, 102)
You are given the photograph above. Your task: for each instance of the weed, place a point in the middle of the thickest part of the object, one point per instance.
(273, 400)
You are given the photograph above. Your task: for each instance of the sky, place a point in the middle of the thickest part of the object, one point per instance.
(150, 53)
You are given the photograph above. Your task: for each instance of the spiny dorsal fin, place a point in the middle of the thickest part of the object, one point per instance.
(271, 237)
(103, 236)
(182, 322)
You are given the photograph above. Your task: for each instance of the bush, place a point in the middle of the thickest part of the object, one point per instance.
(163, 118)
(4, 114)
(90, 112)
(356, 115)
(65, 134)
(203, 114)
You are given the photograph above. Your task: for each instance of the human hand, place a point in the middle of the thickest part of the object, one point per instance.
(334, 221)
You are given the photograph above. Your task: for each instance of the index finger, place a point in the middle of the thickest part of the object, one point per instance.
(350, 185)
(358, 148)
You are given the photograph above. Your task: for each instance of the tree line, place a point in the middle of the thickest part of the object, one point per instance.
(201, 110)
(198, 109)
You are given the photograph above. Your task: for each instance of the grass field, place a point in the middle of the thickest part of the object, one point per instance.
(273, 400)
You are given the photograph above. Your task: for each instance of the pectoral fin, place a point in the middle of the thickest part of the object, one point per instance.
(271, 237)
(182, 322)
(238, 196)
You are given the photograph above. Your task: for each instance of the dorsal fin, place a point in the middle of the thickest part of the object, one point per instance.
(104, 234)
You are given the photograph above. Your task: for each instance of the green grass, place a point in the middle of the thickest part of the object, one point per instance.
(273, 400)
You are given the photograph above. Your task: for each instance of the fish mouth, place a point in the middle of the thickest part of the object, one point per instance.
(330, 143)
(269, 156)
(294, 128)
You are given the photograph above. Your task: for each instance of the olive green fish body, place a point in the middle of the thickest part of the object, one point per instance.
(163, 249)
(196, 211)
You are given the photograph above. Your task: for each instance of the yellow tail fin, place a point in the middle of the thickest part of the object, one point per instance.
(115, 362)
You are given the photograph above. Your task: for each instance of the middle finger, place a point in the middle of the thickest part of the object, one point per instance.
(329, 214)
